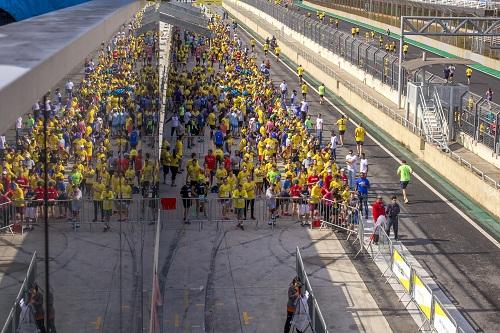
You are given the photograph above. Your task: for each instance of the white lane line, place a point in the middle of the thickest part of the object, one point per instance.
(429, 186)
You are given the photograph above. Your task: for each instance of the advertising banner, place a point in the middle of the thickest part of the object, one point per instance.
(442, 323)
(422, 296)
(402, 270)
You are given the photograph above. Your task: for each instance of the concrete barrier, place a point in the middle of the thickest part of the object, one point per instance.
(459, 176)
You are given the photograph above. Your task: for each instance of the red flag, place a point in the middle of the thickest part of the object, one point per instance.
(168, 203)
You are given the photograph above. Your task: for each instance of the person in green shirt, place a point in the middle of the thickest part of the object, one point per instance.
(404, 172)
(321, 92)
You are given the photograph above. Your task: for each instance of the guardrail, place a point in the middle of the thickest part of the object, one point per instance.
(434, 312)
(316, 319)
(12, 322)
(388, 110)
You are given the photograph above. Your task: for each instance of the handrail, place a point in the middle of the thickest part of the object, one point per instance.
(441, 118)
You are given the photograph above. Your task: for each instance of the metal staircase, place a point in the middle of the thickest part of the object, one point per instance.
(434, 122)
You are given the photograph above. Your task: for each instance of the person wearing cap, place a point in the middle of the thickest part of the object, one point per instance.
(392, 211)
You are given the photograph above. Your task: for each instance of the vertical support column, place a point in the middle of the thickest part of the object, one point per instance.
(400, 63)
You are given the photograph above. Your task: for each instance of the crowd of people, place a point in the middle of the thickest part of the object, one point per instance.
(93, 138)
(264, 146)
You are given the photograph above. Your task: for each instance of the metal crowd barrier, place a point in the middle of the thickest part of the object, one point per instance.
(12, 322)
(316, 319)
(19, 216)
(434, 313)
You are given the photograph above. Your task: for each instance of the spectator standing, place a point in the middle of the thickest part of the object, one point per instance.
(19, 127)
(392, 212)
(283, 90)
(351, 161)
(69, 89)
(404, 171)
(293, 296)
(363, 164)
(362, 187)
(378, 213)
(333, 145)
(319, 129)
(489, 96)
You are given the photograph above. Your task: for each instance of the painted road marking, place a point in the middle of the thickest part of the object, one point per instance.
(246, 318)
(429, 186)
(97, 323)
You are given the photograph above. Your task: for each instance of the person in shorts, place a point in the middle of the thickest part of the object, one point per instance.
(239, 196)
(186, 195)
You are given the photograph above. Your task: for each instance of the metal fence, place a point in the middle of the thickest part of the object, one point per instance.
(317, 321)
(368, 56)
(12, 322)
(434, 314)
(18, 216)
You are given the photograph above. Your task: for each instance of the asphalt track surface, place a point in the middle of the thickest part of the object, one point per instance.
(480, 82)
(458, 257)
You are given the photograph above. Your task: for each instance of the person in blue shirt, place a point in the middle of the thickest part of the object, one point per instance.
(362, 187)
(218, 138)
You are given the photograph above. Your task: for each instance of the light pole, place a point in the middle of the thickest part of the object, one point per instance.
(400, 65)
(45, 210)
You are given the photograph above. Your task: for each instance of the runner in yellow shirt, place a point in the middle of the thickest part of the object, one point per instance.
(359, 135)
(300, 72)
(342, 125)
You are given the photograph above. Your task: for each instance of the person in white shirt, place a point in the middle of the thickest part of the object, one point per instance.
(351, 161)
(2, 146)
(175, 125)
(69, 89)
(363, 164)
(319, 129)
(334, 141)
(283, 89)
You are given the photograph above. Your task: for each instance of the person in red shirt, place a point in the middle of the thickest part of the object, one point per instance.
(138, 166)
(23, 182)
(123, 163)
(52, 195)
(295, 194)
(227, 162)
(378, 210)
(39, 197)
(312, 180)
(328, 179)
(210, 164)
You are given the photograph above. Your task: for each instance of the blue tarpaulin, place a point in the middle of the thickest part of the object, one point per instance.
(23, 9)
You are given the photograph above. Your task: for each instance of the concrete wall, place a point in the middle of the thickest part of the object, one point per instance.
(479, 149)
(442, 163)
(459, 52)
